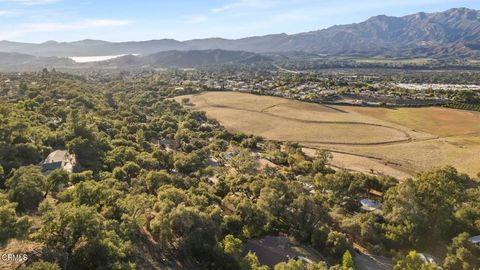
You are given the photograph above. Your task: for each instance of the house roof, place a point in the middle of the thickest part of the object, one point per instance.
(57, 156)
(475, 239)
(51, 166)
(270, 250)
(370, 205)
(59, 159)
(426, 258)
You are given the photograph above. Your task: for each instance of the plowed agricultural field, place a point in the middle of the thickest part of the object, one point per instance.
(398, 142)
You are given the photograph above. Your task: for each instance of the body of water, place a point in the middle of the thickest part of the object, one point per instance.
(88, 59)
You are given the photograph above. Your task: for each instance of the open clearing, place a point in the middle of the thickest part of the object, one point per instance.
(397, 142)
(377, 60)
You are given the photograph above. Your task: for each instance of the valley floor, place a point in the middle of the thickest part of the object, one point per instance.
(397, 142)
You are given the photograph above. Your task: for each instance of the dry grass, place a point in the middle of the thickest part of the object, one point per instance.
(236, 100)
(365, 165)
(17, 247)
(288, 120)
(461, 152)
(439, 121)
(377, 60)
(397, 142)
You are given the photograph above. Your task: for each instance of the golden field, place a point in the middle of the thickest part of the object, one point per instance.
(397, 142)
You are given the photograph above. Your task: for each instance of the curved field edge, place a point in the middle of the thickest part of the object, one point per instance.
(253, 117)
(417, 145)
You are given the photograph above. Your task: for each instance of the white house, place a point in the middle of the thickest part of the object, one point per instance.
(371, 205)
(475, 240)
(59, 159)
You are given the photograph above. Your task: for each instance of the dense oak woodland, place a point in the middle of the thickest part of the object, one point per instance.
(135, 205)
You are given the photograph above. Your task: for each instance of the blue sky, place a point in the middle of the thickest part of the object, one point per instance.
(121, 20)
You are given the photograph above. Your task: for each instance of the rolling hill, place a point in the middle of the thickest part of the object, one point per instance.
(184, 59)
(168, 59)
(23, 62)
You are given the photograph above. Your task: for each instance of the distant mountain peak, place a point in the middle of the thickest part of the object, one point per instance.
(50, 42)
(419, 34)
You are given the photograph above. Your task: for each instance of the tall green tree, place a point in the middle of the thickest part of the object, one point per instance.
(462, 254)
(2, 172)
(319, 164)
(422, 210)
(10, 224)
(347, 261)
(413, 262)
(41, 265)
(337, 244)
(250, 262)
(55, 180)
(232, 246)
(26, 187)
(80, 234)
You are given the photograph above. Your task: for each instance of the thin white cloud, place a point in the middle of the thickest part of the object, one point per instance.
(31, 2)
(5, 12)
(86, 24)
(25, 29)
(323, 13)
(243, 4)
(193, 19)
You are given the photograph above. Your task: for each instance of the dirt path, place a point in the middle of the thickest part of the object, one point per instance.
(367, 164)
(287, 70)
(270, 107)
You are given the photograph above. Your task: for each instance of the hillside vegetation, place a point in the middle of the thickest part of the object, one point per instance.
(158, 186)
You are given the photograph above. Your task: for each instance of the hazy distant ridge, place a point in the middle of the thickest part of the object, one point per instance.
(455, 32)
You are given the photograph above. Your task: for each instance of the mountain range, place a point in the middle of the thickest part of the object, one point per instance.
(454, 33)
